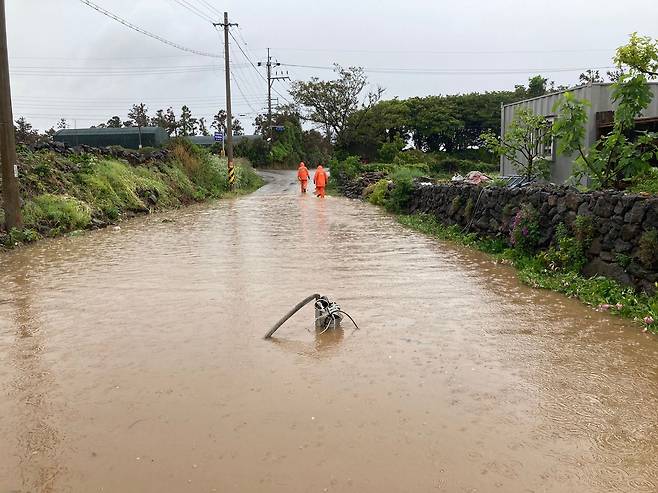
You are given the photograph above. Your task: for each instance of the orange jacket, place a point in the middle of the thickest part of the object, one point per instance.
(302, 173)
(320, 179)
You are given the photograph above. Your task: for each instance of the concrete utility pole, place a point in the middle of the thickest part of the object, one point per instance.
(229, 118)
(10, 197)
(270, 81)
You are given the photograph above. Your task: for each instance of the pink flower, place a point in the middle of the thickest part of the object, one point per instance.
(649, 320)
(605, 307)
(619, 306)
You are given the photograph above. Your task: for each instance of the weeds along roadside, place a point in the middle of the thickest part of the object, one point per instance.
(67, 193)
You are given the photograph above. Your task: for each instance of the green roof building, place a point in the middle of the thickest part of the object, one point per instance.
(129, 137)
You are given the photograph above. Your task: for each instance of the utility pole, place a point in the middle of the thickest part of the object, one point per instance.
(270, 82)
(229, 118)
(10, 197)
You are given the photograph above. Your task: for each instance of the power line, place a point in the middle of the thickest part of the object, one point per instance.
(420, 71)
(211, 8)
(186, 5)
(255, 68)
(147, 33)
(449, 52)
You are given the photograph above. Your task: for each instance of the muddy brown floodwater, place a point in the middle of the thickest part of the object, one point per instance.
(133, 361)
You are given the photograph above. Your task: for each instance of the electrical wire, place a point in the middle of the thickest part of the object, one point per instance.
(418, 71)
(186, 5)
(147, 33)
(255, 68)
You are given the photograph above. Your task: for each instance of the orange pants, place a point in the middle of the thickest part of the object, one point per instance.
(303, 183)
(319, 191)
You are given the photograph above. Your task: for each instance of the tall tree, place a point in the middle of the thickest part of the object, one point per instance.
(25, 134)
(331, 103)
(219, 121)
(203, 128)
(138, 115)
(525, 143)
(590, 77)
(237, 127)
(537, 86)
(186, 123)
(160, 119)
(171, 122)
(114, 122)
(62, 124)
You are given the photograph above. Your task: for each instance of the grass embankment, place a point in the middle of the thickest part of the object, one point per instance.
(63, 194)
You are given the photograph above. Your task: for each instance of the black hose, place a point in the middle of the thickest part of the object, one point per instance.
(297, 307)
(348, 316)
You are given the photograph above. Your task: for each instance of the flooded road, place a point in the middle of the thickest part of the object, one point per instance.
(133, 361)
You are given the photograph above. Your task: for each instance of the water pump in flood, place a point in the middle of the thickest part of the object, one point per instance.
(328, 314)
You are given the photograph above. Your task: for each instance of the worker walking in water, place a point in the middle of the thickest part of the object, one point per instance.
(320, 179)
(302, 176)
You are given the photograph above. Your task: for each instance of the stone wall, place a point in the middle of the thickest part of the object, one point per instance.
(132, 157)
(620, 220)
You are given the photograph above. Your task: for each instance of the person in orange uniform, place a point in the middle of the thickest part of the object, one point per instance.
(320, 179)
(302, 176)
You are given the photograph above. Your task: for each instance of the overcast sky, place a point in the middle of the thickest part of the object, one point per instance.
(68, 60)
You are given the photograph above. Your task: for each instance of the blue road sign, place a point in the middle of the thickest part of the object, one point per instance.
(279, 128)
(219, 137)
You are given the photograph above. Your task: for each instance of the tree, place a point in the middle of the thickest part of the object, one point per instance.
(138, 115)
(640, 54)
(186, 123)
(114, 122)
(237, 127)
(332, 103)
(537, 86)
(316, 148)
(219, 124)
(62, 124)
(590, 77)
(160, 120)
(171, 123)
(25, 134)
(203, 128)
(624, 152)
(219, 121)
(524, 144)
(618, 156)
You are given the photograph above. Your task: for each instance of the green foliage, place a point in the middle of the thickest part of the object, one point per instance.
(58, 213)
(567, 254)
(640, 55)
(257, 151)
(349, 168)
(623, 260)
(623, 154)
(377, 193)
(646, 182)
(524, 231)
(648, 249)
(400, 195)
(468, 209)
(64, 193)
(388, 151)
(524, 144)
(17, 237)
(584, 230)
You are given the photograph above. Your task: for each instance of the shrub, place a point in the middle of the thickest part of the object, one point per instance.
(524, 231)
(60, 213)
(388, 151)
(468, 209)
(648, 249)
(377, 193)
(403, 183)
(567, 254)
(584, 230)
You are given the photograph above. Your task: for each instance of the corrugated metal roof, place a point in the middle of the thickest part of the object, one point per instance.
(109, 131)
(571, 89)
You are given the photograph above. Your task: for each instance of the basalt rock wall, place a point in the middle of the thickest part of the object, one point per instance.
(623, 225)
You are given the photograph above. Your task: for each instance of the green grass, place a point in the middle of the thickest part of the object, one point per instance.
(594, 291)
(65, 194)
